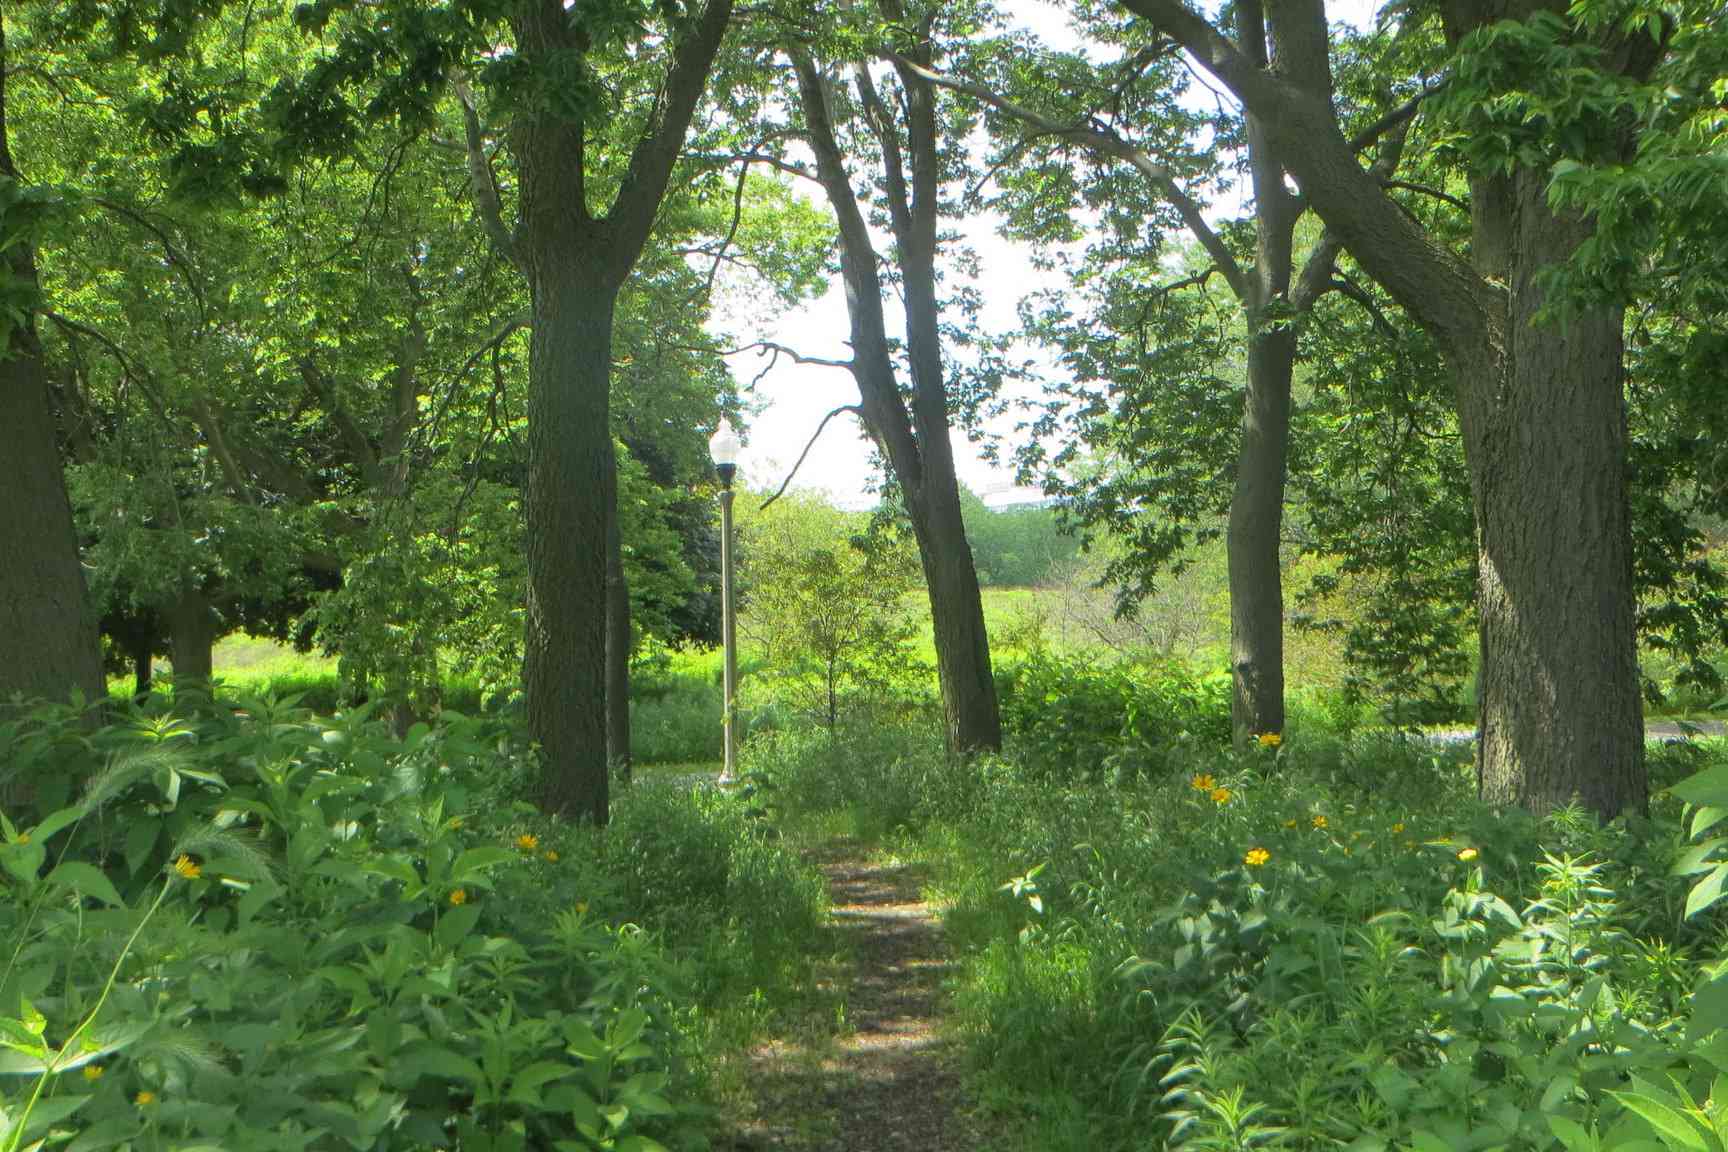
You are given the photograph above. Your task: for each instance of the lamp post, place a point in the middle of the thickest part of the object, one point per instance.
(724, 448)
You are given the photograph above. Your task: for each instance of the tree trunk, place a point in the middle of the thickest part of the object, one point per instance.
(1255, 532)
(569, 502)
(142, 668)
(618, 642)
(972, 716)
(914, 442)
(1543, 413)
(192, 638)
(1561, 714)
(47, 630)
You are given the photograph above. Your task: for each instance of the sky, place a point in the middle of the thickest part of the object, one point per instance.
(791, 399)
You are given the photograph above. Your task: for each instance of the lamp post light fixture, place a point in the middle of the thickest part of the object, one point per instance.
(723, 447)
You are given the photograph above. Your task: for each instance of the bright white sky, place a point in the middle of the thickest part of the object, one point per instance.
(793, 398)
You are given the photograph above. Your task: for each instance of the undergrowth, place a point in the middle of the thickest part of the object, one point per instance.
(1321, 944)
(259, 928)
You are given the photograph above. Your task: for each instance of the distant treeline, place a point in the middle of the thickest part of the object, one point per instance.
(1018, 546)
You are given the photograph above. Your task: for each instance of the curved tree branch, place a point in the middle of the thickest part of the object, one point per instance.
(1108, 142)
(784, 484)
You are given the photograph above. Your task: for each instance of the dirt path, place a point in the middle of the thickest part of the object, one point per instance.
(888, 1082)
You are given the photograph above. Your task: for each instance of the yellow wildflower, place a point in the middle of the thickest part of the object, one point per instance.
(453, 823)
(1291, 823)
(459, 897)
(92, 1071)
(23, 837)
(1203, 782)
(1319, 821)
(1256, 857)
(144, 1099)
(527, 842)
(1398, 827)
(1270, 739)
(581, 907)
(1221, 795)
(1468, 855)
(551, 856)
(187, 868)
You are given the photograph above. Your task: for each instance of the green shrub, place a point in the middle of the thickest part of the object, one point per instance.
(1074, 719)
(1325, 944)
(261, 929)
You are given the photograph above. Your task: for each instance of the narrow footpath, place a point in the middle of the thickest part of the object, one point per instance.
(889, 1081)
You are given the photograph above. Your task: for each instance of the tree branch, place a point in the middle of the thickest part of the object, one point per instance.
(480, 177)
(1427, 190)
(784, 484)
(637, 202)
(1106, 141)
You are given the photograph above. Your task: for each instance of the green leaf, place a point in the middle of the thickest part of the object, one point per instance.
(1708, 788)
(1707, 891)
(1671, 1126)
(86, 880)
(140, 839)
(471, 866)
(428, 1059)
(583, 1042)
(455, 923)
(55, 821)
(1571, 1134)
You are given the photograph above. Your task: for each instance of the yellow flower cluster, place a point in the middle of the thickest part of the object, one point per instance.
(1398, 827)
(1221, 795)
(1319, 822)
(1468, 854)
(1270, 739)
(1203, 782)
(93, 1071)
(1256, 857)
(459, 897)
(187, 868)
(527, 842)
(144, 1099)
(551, 856)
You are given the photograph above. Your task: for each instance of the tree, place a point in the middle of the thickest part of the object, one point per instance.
(46, 627)
(1541, 404)
(825, 597)
(1273, 298)
(911, 432)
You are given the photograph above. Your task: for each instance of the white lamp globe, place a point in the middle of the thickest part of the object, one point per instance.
(724, 445)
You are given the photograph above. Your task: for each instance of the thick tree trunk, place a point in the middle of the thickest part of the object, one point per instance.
(1561, 714)
(569, 500)
(1255, 532)
(618, 642)
(48, 643)
(192, 638)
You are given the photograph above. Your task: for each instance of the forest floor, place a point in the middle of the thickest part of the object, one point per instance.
(889, 1080)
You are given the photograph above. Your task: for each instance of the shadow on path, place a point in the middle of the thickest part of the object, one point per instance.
(889, 1082)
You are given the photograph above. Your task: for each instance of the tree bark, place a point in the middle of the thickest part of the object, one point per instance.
(575, 265)
(48, 641)
(192, 638)
(569, 502)
(139, 652)
(1255, 531)
(914, 441)
(1542, 410)
(618, 642)
(1561, 716)
(1255, 534)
